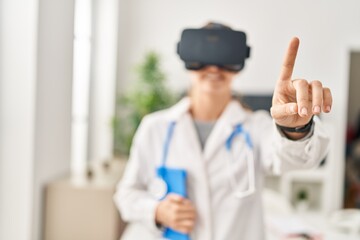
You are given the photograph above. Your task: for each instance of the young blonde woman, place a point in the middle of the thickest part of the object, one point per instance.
(224, 171)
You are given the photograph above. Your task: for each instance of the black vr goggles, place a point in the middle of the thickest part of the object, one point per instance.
(221, 47)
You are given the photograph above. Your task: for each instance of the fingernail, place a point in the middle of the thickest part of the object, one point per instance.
(328, 108)
(292, 109)
(304, 111)
(316, 109)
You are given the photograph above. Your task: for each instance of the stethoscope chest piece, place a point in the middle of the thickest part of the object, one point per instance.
(158, 188)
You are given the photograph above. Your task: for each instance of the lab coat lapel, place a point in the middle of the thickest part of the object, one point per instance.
(180, 113)
(192, 136)
(198, 182)
(179, 109)
(233, 114)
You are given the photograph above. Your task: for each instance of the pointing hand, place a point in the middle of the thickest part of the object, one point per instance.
(295, 101)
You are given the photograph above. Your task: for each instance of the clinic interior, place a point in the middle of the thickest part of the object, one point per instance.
(68, 69)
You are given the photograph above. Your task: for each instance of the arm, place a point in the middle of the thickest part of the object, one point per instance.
(294, 103)
(284, 154)
(133, 200)
(279, 154)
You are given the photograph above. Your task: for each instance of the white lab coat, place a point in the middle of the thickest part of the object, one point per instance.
(220, 215)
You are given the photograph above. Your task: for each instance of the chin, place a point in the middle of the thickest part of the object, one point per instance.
(215, 89)
(215, 85)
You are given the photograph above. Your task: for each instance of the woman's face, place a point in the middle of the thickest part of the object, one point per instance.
(212, 80)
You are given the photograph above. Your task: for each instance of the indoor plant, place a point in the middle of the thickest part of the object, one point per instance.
(147, 94)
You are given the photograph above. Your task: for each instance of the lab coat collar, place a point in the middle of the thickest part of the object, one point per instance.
(179, 109)
(233, 114)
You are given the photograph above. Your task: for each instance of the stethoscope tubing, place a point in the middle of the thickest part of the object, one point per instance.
(238, 131)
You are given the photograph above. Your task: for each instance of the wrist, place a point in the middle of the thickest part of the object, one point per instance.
(161, 214)
(296, 133)
(294, 136)
(300, 129)
(158, 220)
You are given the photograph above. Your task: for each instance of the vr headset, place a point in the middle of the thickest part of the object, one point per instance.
(224, 48)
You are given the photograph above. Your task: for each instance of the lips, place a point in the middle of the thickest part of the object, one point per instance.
(213, 77)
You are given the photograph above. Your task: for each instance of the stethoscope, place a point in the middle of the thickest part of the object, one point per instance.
(159, 187)
(248, 151)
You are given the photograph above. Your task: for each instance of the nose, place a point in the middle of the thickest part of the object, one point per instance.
(212, 68)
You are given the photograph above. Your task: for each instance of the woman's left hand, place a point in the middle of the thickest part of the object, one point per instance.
(295, 101)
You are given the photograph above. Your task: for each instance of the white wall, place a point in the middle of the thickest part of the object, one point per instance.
(1, 116)
(18, 60)
(53, 100)
(36, 64)
(327, 30)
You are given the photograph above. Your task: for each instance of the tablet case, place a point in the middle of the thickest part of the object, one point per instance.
(175, 179)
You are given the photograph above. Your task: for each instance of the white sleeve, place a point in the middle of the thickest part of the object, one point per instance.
(133, 200)
(280, 154)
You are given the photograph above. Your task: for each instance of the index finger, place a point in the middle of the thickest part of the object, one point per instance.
(289, 61)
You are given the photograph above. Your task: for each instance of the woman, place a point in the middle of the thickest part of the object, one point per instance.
(222, 200)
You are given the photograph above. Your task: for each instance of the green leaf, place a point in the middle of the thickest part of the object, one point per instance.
(147, 94)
